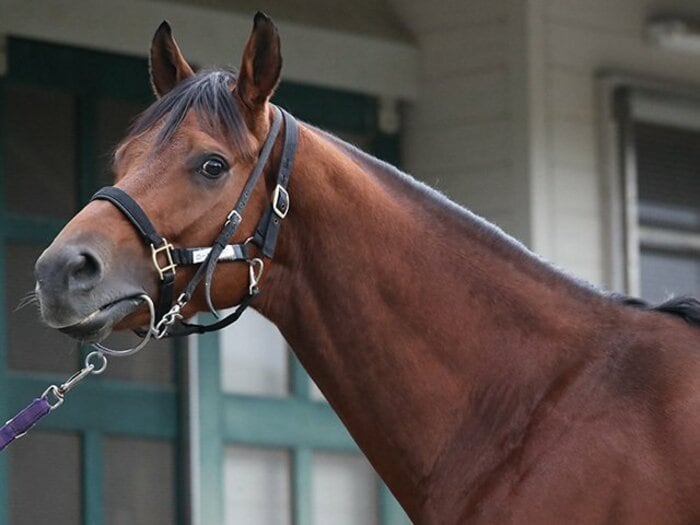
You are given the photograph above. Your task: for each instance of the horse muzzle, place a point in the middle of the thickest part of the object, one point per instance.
(77, 296)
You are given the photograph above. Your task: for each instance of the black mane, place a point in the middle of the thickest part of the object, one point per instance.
(209, 95)
(687, 308)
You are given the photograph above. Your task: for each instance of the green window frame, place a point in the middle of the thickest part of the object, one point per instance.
(296, 423)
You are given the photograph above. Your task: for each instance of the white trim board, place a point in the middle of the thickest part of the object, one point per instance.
(311, 55)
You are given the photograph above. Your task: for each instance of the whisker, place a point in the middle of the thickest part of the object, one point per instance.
(29, 298)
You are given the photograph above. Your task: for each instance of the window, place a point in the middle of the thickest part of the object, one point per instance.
(661, 140)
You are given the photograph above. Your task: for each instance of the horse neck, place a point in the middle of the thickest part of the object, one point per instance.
(416, 320)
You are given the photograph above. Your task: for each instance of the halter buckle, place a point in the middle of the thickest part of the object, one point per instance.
(167, 249)
(230, 216)
(280, 206)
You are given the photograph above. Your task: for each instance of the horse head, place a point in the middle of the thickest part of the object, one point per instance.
(184, 162)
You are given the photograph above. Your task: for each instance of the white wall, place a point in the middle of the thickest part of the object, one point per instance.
(459, 132)
(362, 17)
(580, 40)
(507, 117)
(314, 55)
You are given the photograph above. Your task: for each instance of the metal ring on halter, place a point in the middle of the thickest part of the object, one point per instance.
(144, 341)
(97, 370)
(160, 330)
(255, 270)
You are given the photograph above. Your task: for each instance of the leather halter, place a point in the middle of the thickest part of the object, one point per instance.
(265, 238)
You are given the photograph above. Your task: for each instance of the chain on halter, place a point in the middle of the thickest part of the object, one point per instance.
(144, 340)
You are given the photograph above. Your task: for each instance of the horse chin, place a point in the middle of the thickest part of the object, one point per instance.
(98, 325)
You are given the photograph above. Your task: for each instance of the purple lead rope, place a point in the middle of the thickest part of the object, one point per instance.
(25, 420)
(41, 406)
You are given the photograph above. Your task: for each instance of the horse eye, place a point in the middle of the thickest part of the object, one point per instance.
(212, 168)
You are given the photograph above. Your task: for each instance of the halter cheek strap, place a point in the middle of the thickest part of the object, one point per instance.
(268, 229)
(166, 258)
(159, 245)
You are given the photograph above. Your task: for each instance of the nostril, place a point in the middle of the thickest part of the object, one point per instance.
(85, 270)
(68, 268)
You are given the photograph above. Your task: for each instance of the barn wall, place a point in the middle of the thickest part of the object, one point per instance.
(314, 55)
(579, 41)
(363, 17)
(460, 132)
(507, 119)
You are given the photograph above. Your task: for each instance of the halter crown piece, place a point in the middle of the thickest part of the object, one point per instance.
(166, 320)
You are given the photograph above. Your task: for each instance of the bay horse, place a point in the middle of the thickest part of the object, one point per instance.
(483, 385)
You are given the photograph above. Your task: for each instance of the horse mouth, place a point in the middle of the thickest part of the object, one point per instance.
(98, 325)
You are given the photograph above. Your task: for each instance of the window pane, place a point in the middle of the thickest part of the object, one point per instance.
(45, 479)
(344, 490)
(139, 482)
(668, 162)
(257, 486)
(40, 162)
(664, 274)
(32, 344)
(254, 357)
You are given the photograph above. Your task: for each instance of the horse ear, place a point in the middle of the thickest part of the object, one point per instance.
(167, 64)
(262, 63)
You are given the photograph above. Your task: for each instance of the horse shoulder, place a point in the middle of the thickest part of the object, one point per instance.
(662, 372)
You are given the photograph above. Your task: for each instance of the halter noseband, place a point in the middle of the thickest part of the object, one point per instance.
(166, 258)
